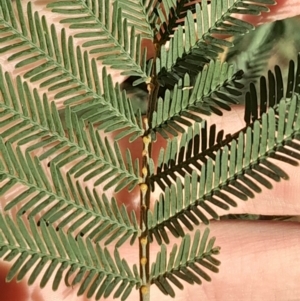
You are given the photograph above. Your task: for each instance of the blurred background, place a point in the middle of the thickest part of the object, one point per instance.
(269, 45)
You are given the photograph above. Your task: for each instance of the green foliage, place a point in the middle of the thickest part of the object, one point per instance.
(58, 64)
(113, 45)
(235, 169)
(213, 89)
(87, 261)
(192, 46)
(199, 250)
(62, 129)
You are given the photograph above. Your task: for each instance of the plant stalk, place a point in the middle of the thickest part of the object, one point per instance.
(145, 186)
(145, 203)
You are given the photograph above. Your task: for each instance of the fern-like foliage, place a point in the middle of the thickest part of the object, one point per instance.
(197, 144)
(242, 162)
(62, 126)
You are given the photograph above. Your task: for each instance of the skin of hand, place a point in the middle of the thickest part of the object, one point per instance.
(259, 260)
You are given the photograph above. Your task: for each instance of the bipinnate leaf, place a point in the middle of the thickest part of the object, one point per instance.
(56, 156)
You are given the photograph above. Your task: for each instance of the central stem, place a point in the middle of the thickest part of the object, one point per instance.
(145, 202)
(145, 186)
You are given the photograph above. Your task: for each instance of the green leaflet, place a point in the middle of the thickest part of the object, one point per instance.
(137, 14)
